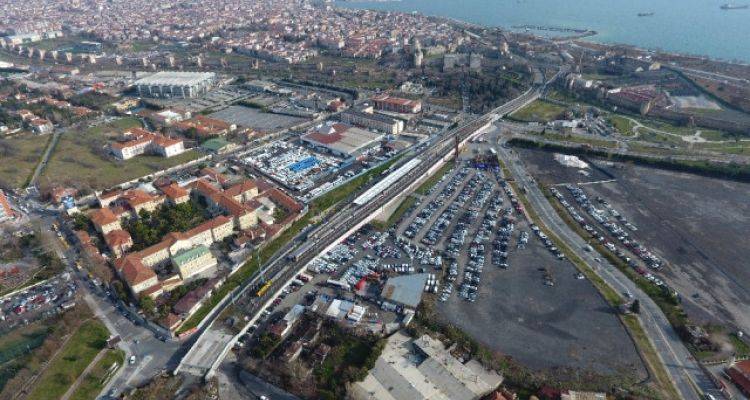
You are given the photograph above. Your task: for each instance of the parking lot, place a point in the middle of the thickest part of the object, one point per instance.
(38, 302)
(247, 117)
(511, 288)
(694, 224)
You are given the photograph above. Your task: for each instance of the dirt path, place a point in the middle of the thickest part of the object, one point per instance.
(695, 138)
(85, 372)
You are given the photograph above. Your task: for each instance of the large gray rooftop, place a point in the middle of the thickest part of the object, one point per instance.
(177, 78)
(406, 290)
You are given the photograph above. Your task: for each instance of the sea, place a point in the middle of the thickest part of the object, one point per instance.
(696, 27)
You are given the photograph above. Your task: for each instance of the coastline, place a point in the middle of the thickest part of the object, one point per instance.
(594, 36)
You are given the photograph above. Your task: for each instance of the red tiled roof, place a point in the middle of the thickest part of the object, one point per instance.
(5, 205)
(103, 216)
(136, 197)
(241, 187)
(174, 191)
(740, 375)
(83, 237)
(118, 238)
(204, 187)
(133, 271)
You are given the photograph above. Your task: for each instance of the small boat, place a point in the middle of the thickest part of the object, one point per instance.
(645, 14)
(735, 6)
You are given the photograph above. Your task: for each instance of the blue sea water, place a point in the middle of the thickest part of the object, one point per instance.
(697, 27)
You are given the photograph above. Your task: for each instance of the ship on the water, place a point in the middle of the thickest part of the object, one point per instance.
(735, 6)
(645, 14)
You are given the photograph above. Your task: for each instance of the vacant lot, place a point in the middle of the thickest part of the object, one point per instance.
(75, 356)
(19, 156)
(94, 381)
(81, 159)
(16, 344)
(256, 119)
(539, 111)
(698, 225)
(565, 326)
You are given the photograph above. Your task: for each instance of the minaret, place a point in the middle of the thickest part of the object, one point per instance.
(418, 56)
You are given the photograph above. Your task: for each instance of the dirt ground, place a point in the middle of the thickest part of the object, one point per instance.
(699, 225)
(567, 325)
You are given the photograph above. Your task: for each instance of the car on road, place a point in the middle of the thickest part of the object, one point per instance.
(132, 360)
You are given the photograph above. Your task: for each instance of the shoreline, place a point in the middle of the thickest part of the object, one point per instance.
(591, 33)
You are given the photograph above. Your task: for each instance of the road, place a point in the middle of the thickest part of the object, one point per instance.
(202, 354)
(152, 355)
(683, 369)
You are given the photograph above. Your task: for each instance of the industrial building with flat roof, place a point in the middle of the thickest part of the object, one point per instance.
(405, 290)
(170, 84)
(423, 369)
(341, 139)
(370, 120)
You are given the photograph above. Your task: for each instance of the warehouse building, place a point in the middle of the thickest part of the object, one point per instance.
(374, 121)
(423, 369)
(341, 139)
(168, 84)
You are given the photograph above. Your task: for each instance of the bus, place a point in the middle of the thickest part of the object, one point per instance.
(263, 289)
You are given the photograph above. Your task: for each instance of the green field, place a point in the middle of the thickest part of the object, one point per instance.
(399, 212)
(622, 124)
(73, 358)
(20, 155)
(16, 344)
(93, 383)
(538, 111)
(81, 159)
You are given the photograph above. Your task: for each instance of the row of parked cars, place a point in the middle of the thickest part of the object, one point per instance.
(429, 210)
(613, 222)
(615, 230)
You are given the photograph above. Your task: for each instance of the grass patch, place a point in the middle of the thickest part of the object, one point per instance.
(316, 208)
(81, 159)
(731, 170)
(591, 141)
(741, 348)
(623, 125)
(402, 208)
(20, 156)
(93, 383)
(65, 368)
(654, 363)
(350, 360)
(16, 345)
(539, 111)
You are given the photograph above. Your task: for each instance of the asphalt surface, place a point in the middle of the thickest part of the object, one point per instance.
(565, 326)
(683, 369)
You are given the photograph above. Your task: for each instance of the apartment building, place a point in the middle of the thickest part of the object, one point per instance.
(140, 141)
(395, 104)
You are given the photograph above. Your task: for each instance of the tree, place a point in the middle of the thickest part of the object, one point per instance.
(148, 305)
(81, 222)
(636, 306)
(120, 290)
